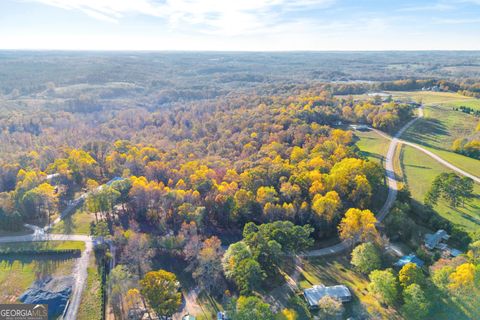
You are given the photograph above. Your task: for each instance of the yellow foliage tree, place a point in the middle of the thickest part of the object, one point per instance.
(463, 277)
(358, 225)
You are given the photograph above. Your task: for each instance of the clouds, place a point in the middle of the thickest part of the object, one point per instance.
(240, 24)
(208, 16)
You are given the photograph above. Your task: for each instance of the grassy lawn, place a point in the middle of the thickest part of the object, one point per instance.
(78, 223)
(17, 274)
(372, 145)
(91, 304)
(419, 171)
(337, 270)
(442, 125)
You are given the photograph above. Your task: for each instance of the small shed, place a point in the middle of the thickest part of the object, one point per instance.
(315, 293)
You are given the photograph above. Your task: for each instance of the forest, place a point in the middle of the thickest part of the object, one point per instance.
(215, 160)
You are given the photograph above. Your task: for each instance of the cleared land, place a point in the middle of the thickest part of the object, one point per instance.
(419, 170)
(77, 223)
(442, 125)
(17, 274)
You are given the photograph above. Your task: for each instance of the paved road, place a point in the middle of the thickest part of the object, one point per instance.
(392, 182)
(427, 152)
(392, 191)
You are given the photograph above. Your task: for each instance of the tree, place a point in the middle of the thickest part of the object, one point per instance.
(248, 275)
(41, 200)
(358, 225)
(120, 281)
(462, 278)
(451, 187)
(288, 314)
(208, 272)
(267, 194)
(252, 308)
(137, 253)
(327, 206)
(366, 258)
(383, 283)
(161, 289)
(411, 274)
(416, 304)
(330, 307)
(235, 253)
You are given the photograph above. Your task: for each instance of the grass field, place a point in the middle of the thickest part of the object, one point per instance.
(442, 125)
(17, 274)
(419, 171)
(372, 145)
(78, 223)
(430, 97)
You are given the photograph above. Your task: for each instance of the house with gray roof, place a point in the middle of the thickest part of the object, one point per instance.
(315, 293)
(435, 240)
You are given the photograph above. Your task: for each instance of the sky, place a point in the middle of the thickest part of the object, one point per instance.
(240, 25)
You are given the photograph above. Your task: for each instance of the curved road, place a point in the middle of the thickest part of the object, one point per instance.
(391, 182)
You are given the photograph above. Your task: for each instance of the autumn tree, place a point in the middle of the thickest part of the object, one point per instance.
(411, 274)
(330, 308)
(358, 225)
(462, 278)
(208, 270)
(42, 201)
(327, 206)
(161, 289)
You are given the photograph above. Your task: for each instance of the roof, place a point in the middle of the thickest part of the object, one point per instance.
(455, 252)
(432, 240)
(188, 317)
(411, 258)
(312, 295)
(114, 180)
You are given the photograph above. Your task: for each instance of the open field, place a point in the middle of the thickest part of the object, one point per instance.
(77, 223)
(441, 125)
(430, 97)
(419, 171)
(372, 145)
(17, 274)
